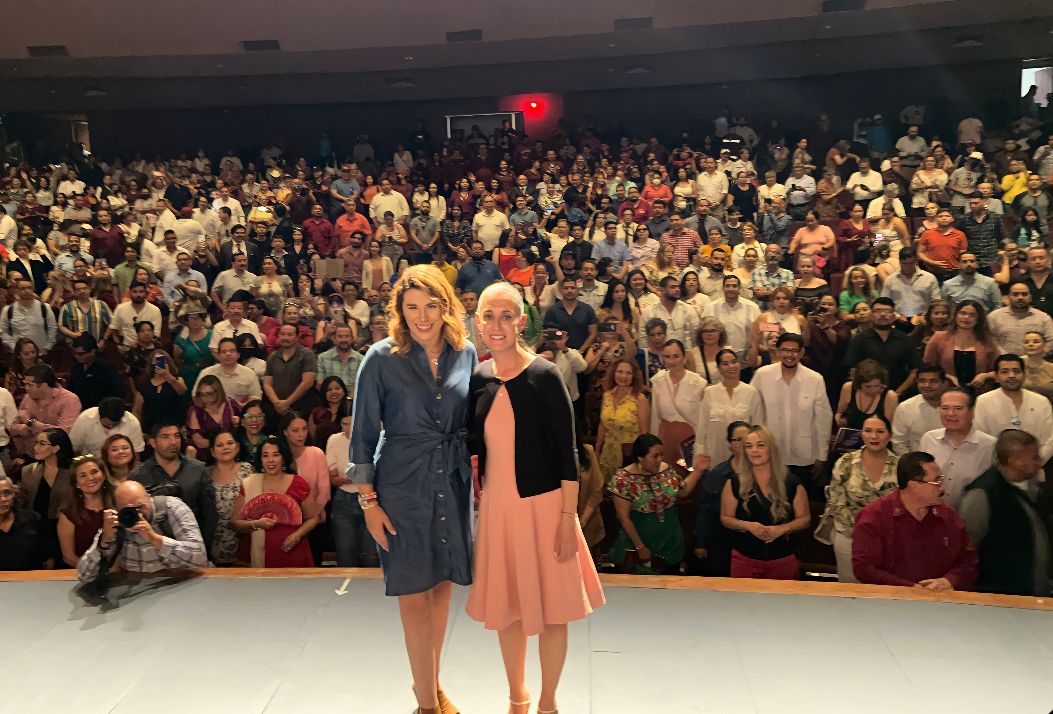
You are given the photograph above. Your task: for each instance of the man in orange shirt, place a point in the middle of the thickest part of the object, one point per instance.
(940, 248)
(350, 222)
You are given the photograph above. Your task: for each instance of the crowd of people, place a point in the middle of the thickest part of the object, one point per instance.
(766, 340)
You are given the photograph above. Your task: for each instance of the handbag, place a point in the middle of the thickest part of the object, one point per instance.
(824, 532)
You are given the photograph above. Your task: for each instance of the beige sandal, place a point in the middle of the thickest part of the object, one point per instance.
(513, 703)
(445, 705)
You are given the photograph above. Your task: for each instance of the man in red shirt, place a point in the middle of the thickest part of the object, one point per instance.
(911, 537)
(350, 222)
(319, 232)
(641, 209)
(940, 248)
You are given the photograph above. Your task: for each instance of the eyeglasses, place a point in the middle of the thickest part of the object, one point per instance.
(43, 442)
(252, 417)
(937, 482)
(789, 350)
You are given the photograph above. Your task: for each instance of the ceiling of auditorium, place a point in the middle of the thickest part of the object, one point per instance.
(115, 54)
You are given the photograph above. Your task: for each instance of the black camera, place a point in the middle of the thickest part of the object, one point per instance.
(128, 516)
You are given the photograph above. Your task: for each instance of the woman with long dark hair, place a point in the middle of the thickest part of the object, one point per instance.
(80, 518)
(46, 483)
(966, 349)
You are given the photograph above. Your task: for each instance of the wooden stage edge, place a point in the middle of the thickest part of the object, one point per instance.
(742, 585)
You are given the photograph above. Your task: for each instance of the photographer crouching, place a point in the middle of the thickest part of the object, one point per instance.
(143, 534)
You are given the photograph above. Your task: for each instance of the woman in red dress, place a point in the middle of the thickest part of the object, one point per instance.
(277, 532)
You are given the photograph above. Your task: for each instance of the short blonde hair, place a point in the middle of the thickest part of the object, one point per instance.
(499, 290)
(431, 281)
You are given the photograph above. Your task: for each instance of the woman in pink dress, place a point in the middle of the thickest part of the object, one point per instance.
(533, 571)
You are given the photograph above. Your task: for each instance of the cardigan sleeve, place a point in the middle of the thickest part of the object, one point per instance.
(560, 420)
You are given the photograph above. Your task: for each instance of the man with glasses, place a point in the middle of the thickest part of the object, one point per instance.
(240, 383)
(798, 409)
(890, 347)
(1013, 407)
(911, 537)
(478, 272)
(962, 451)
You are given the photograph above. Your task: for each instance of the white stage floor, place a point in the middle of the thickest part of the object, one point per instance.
(275, 645)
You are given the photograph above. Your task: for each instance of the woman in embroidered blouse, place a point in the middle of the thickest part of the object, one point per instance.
(859, 477)
(645, 494)
(416, 491)
(676, 397)
(227, 473)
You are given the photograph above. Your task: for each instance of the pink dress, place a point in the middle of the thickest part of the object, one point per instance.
(517, 576)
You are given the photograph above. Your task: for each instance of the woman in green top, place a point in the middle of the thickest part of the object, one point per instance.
(253, 429)
(859, 477)
(532, 328)
(645, 500)
(857, 290)
(191, 345)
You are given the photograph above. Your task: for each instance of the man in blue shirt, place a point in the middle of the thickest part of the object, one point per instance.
(342, 189)
(478, 272)
(611, 247)
(970, 285)
(176, 279)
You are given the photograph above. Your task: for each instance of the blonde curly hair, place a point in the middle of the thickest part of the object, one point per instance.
(431, 281)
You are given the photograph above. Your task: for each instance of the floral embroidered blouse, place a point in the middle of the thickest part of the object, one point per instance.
(850, 489)
(648, 493)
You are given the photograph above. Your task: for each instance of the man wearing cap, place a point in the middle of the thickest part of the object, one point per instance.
(235, 324)
(344, 189)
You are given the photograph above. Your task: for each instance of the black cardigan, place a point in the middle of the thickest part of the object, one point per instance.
(546, 453)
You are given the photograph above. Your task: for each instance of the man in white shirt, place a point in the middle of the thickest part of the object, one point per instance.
(240, 383)
(681, 320)
(91, 429)
(8, 229)
(488, 224)
(712, 184)
(71, 185)
(800, 191)
(234, 325)
(166, 220)
(912, 289)
(962, 451)
(799, 414)
(911, 148)
(921, 413)
(388, 200)
(1013, 407)
(237, 213)
(865, 185)
(132, 312)
(736, 314)
(891, 195)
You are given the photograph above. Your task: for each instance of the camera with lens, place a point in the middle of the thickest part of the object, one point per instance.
(128, 516)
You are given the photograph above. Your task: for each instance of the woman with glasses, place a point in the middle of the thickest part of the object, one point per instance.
(710, 340)
(712, 540)
(80, 518)
(763, 504)
(211, 411)
(119, 457)
(47, 485)
(859, 477)
(227, 472)
(727, 401)
(252, 431)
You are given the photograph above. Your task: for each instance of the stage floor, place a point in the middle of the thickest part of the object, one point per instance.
(276, 645)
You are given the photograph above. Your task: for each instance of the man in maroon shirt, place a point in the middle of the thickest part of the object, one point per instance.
(911, 537)
(107, 241)
(641, 209)
(319, 232)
